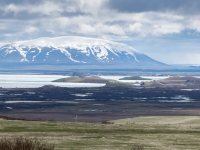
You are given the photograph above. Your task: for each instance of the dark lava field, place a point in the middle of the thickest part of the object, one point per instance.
(97, 104)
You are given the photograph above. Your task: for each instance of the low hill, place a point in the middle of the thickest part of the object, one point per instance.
(93, 79)
(134, 78)
(118, 84)
(187, 81)
(186, 78)
(84, 79)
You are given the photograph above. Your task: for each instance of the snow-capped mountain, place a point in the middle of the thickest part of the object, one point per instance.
(73, 50)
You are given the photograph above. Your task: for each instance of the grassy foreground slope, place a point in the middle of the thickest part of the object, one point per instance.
(154, 133)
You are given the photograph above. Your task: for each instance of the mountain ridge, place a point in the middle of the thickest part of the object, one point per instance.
(74, 50)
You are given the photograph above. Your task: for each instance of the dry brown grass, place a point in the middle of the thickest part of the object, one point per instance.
(142, 133)
(21, 143)
(137, 147)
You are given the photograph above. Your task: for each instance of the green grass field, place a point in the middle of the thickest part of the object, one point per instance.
(153, 133)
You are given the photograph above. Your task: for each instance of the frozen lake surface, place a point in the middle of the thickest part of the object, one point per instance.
(35, 81)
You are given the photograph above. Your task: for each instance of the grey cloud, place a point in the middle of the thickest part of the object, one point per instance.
(26, 16)
(19, 2)
(29, 10)
(23, 15)
(186, 6)
(99, 18)
(73, 14)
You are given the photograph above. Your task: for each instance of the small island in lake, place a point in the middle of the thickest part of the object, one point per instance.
(84, 79)
(134, 78)
(93, 79)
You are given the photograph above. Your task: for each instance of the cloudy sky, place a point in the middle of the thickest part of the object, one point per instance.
(166, 30)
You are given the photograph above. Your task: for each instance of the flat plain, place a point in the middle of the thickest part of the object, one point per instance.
(152, 133)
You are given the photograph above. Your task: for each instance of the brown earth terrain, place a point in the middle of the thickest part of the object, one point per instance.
(179, 82)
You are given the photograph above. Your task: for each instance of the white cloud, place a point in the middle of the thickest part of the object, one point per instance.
(12, 8)
(8, 35)
(136, 27)
(46, 8)
(2, 26)
(149, 23)
(110, 29)
(86, 28)
(91, 6)
(91, 18)
(167, 28)
(95, 18)
(31, 29)
(193, 23)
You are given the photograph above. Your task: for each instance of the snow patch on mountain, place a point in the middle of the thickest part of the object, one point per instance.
(98, 46)
(72, 50)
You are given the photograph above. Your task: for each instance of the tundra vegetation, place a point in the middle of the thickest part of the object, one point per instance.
(152, 133)
(21, 143)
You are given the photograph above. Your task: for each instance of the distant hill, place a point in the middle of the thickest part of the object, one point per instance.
(93, 79)
(84, 79)
(134, 78)
(179, 78)
(186, 82)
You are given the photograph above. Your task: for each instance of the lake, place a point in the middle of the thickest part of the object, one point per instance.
(35, 81)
